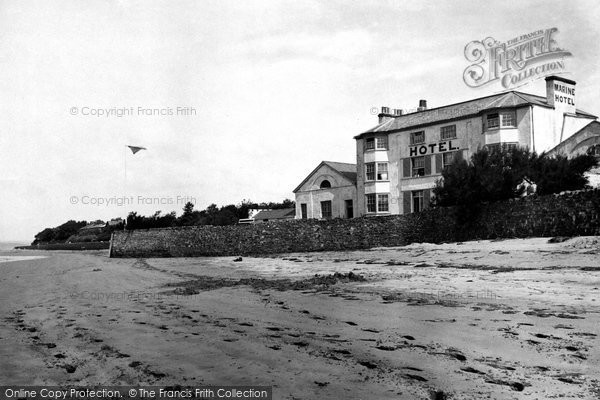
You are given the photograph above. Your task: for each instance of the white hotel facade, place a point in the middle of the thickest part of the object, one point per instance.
(400, 159)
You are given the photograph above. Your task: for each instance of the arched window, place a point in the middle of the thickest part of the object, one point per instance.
(325, 184)
(594, 150)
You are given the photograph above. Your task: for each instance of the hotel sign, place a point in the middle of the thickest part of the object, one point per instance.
(564, 94)
(514, 62)
(433, 148)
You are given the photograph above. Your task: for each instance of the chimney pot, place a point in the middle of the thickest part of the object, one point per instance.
(398, 111)
(422, 103)
(385, 110)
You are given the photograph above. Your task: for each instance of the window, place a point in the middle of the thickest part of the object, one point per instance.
(303, 210)
(379, 143)
(382, 203)
(382, 171)
(377, 203)
(370, 171)
(417, 137)
(493, 121)
(505, 119)
(448, 132)
(508, 119)
(417, 200)
(325, 184)
(326, 209)
(594, 150)
(382, 143)
(418, 166)
(448, 158)
(500, 146)
(371, 205)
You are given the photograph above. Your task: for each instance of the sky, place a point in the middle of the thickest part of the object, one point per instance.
(233, 100)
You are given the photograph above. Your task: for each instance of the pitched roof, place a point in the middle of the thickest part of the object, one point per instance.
(282, 213)
(574, 137)
(462, 110)
(347, 170)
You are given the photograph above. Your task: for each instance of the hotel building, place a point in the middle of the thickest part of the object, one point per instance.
(399, 161)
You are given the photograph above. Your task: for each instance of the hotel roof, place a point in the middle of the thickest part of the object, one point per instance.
(347, 170)
(281, 213)
(512, 99)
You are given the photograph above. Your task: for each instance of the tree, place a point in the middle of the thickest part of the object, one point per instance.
(188, 208)
(497, 175)
(45, 236)
(157, 220)
(490, 176)
(559, 173)
(60, 233)
(189, 216)
(212, 215)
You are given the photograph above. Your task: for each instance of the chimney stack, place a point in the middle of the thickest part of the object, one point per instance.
(385, 115)
(398, 112)
(560, 94)
(422, 105)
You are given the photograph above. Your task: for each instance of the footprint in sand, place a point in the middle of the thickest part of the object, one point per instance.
(472, 370)
(368, 364)
(371, 330)
(455, 354)
(415, 377)
(273, 328)
(69, 368)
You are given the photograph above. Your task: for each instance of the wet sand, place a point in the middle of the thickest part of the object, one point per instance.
(513, 319)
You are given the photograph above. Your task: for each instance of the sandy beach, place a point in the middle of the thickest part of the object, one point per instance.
(512, 319)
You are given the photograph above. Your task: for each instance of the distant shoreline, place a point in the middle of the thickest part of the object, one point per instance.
(67, 246)
(11, 245)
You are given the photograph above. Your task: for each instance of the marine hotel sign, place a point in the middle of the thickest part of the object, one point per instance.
(514, 62)
(564, 93)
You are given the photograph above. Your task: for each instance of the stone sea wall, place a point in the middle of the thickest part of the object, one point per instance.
(567, 214)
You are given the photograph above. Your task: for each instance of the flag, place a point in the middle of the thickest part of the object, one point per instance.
(135, 149)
